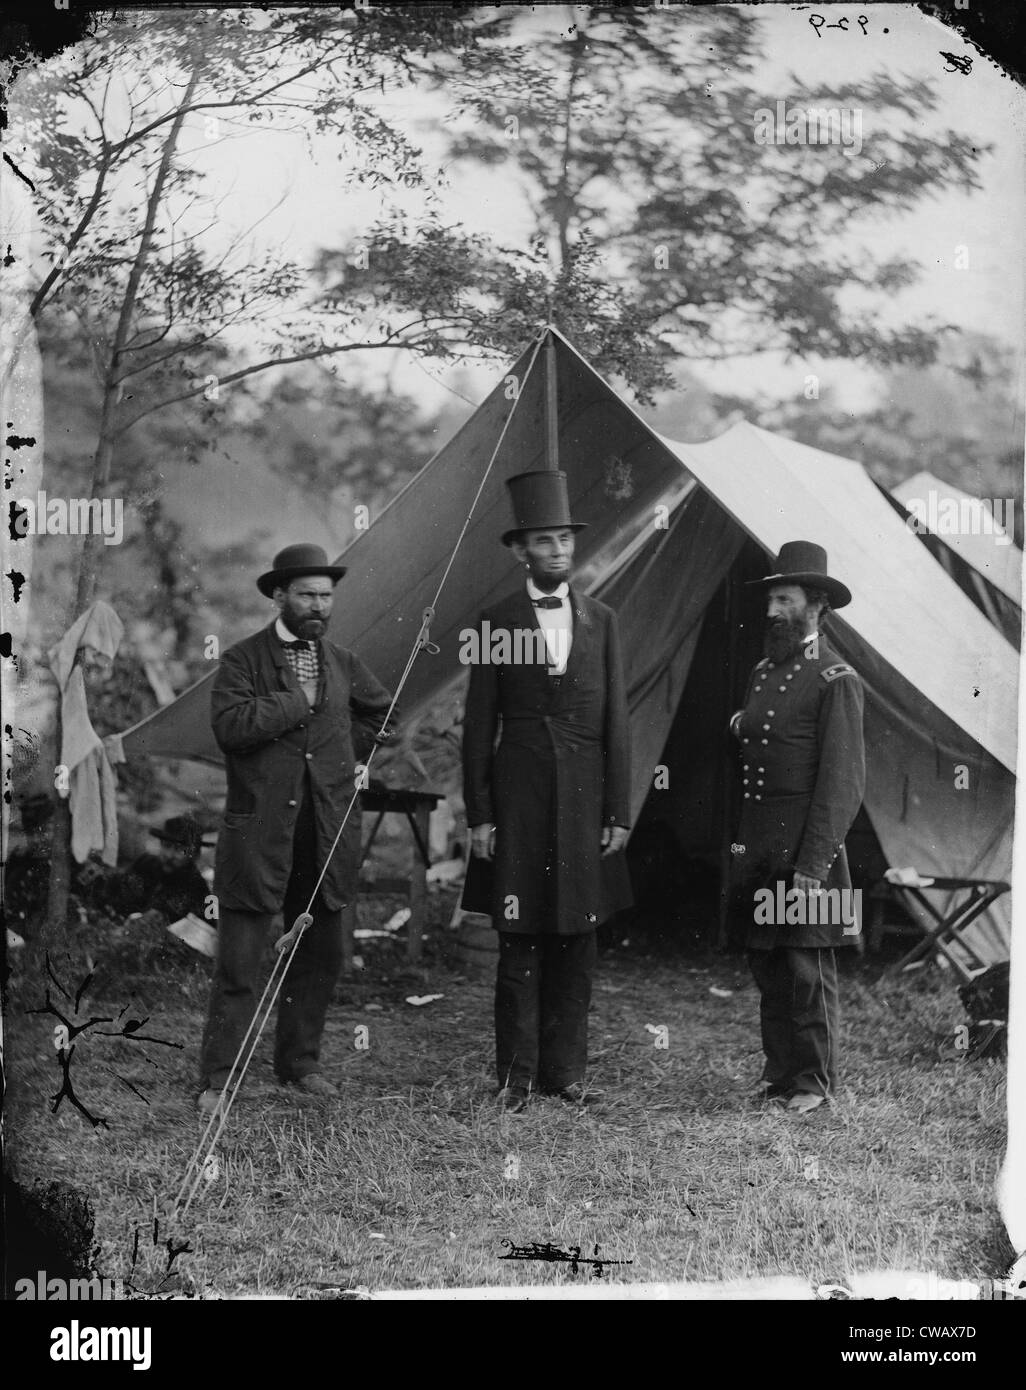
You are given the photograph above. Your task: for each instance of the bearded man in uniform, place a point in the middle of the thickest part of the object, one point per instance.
(803, 778)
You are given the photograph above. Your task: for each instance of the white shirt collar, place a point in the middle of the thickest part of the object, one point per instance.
(810, 637)
(561, 592)
(283, 634)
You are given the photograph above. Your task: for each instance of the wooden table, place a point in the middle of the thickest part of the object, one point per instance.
(416, 807)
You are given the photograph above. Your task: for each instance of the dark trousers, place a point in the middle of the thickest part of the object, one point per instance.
(307, 988)
(542, 994)
(800, 1016)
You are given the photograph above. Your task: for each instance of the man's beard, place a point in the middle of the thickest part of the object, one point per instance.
(549, 583)
(306, 629)
(783, 639)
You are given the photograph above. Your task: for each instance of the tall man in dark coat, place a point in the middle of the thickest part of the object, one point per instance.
(292, 712)
(550, 799)
(803, 777)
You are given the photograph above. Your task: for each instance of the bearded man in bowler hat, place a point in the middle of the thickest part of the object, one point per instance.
(292, 712)
(546, 760)
(803, 777)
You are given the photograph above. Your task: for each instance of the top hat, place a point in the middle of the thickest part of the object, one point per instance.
(802, 562)
(540, 503)
(182, 831)
(295, 561)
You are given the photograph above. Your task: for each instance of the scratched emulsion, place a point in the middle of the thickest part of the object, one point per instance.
(67, 1029)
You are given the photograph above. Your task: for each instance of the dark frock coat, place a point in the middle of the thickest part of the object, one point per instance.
(803, 778)
(276, 750)
(559, 772)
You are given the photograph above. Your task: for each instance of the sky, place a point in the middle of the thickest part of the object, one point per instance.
(987, 296)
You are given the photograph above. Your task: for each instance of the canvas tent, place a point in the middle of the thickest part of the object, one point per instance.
(971, 544)
(673, 532)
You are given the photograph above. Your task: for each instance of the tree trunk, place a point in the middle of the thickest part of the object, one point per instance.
(93, 546)
(52, 933)
(563, 203)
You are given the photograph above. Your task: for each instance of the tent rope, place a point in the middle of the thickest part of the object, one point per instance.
(287, 945)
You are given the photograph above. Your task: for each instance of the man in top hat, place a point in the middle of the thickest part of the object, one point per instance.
(168, 883)
(803, 776)
(547, 803)
(292, 713)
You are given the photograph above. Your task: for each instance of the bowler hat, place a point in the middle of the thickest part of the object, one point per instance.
(182, 831)
(295, 561)
(540, 503)
(804, 563)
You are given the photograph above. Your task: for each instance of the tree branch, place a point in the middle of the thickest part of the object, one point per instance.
(111, 393)
(311, 356)
(40, 296)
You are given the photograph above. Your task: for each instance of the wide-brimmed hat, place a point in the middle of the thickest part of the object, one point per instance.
(182, 831)
(292, 563)
(804, 563)
(540, 503)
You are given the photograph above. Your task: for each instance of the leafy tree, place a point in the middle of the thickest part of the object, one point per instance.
(633, 136)
(99, 133)
(119, 203)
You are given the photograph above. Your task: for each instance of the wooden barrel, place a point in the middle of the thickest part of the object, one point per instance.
(477, 944)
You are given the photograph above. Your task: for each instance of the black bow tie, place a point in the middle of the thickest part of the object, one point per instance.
(299, 642)
(548, 602)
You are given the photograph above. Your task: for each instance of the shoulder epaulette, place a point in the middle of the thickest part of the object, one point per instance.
(840, 668)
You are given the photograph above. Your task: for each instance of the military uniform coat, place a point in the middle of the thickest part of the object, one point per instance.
(803, 778)
(559, 772)
(277, 749)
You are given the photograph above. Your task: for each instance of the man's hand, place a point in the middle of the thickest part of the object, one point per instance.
(482, 841)
(614, 837)
(805, 884)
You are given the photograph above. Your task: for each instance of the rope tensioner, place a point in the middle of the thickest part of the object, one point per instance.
(299, 926)
(424, 642)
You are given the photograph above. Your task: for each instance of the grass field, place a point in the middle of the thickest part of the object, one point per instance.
(413, 1178)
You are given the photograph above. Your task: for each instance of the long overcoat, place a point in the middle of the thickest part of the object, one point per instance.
(803, 779)
(548, 763)
(274, 745)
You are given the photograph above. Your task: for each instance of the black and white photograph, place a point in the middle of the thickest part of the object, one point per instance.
(512, 607)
